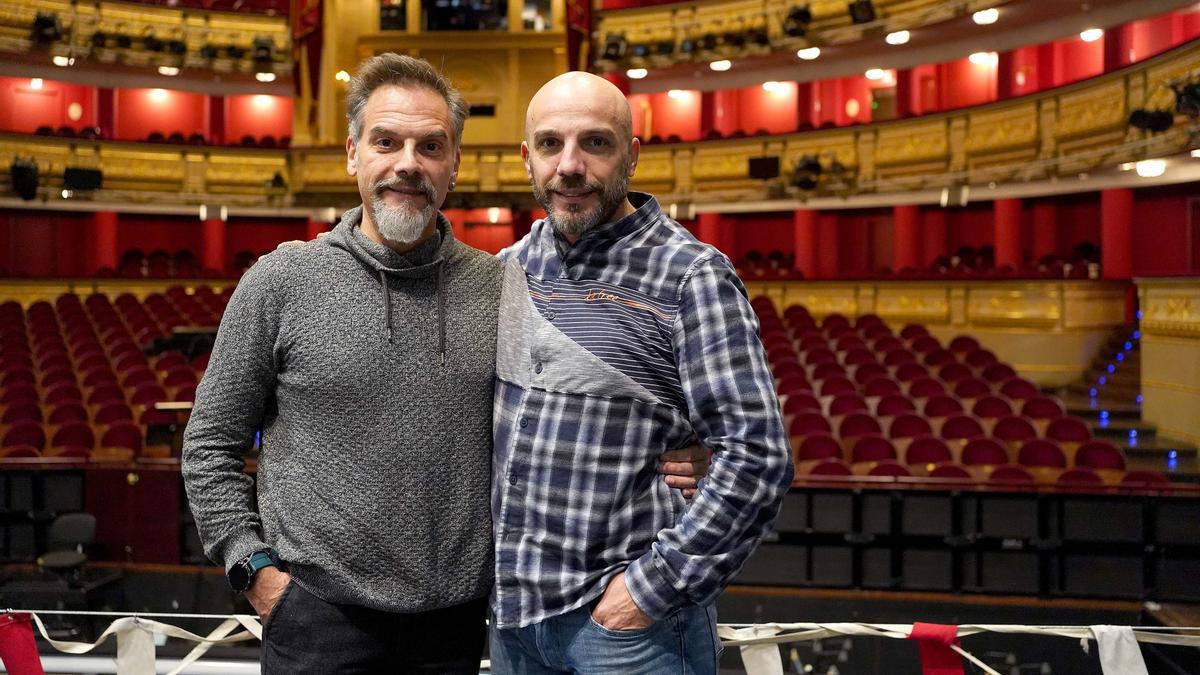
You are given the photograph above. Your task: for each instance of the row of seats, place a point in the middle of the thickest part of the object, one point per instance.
(75, 381)
(93, 133)
(858, 396)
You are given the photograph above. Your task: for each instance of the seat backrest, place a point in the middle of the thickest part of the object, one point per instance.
(984, 451)
(1042, 452)
(70, 531)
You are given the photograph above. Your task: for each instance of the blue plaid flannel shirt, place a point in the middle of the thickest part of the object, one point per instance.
(636, 340)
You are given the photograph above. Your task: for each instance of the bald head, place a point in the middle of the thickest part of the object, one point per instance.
(581, 91)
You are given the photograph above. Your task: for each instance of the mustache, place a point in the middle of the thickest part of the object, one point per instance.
(404, 184)
(560, 183)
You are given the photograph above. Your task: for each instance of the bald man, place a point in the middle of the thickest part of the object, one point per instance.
(621, 337)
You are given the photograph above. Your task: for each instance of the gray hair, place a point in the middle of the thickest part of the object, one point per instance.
(398, 69)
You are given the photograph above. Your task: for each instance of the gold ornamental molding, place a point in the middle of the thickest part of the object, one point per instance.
(1170, 307)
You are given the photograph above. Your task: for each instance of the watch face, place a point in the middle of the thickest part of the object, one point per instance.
(239, 577)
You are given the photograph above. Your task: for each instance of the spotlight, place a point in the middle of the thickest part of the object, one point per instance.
(342, 76)
(862, 11)
(265, 77)
(614, 47)
(1150, 168)
(796, 23)
(61, 61)
(986, 17)
(46, 28)
(807, 173)
(1187, 99)
(809, 54)
(774, 87)
(23, 174)
(899, 37)
(636, 73)
(169, 71)
(1154, 121)
(677, 94)
(36, 84)
(721, 66)
(263, 50)
(759, 37)
(984, 58)
(875, 74)
(1091, 34)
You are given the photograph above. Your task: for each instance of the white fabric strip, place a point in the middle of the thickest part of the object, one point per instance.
(1119, 651)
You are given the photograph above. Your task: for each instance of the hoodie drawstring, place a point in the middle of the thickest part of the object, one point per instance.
(441, 291)
(387, 304)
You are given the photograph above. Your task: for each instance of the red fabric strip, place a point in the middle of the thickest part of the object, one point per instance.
(933, 641)
(17, 648)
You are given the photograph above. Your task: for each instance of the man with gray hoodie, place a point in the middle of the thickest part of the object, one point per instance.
(367, 359)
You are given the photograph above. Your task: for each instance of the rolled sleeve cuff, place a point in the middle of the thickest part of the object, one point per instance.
(240, 547)
(654, 586)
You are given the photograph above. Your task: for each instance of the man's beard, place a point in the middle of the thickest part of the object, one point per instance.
(402, 224)
(574, 221)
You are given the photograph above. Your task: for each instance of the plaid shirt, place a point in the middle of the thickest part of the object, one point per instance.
(637, 340)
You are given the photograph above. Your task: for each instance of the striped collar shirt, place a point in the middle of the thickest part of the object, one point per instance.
(636, 340)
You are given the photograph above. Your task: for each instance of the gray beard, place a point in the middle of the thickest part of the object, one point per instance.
(574, 221)
(401, 225)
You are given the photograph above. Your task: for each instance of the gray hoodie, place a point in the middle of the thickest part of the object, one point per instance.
(370, 375)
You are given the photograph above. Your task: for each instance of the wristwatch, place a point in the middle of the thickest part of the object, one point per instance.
(241, 574)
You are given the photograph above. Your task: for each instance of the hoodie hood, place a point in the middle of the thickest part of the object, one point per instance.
(426, 260)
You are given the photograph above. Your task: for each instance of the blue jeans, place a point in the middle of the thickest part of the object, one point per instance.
(685, 643)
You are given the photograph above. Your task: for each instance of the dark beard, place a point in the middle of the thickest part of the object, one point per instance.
(574, 222)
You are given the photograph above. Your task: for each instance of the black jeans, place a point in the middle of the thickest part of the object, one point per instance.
(307, 636)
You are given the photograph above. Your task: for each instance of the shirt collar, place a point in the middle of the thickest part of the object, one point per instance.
(646, 211)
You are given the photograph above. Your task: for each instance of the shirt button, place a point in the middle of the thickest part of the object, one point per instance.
(524, 422)
(550, 315)
(538, 369)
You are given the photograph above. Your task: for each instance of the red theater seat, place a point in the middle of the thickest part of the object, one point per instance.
(938, 357)
(980, 358)
(25, 433)
(998, 372)
(957, 427)
(1042, 408)
(837, 385)
(68, 412)
(991, 407)
(927, 450)
(1011, 475)
(122, 435)
(894, 404)
(824, 371)
(19, 451)
(942, 405)
(907, 372)
(818, 446)
(798, 402)
(808, 423)
(950, 470)
(913, 331)
(75, 433)
(872, 448)
(1145, 478)
(909, 426)
(844, 404)
(858, 424)
(984, 452)
(953, 372)
(1019, 389)
(869, 371)
(963, 344)
(927, 344)
(898, 356)
(830, 467)
(1013, 429)
(1041, 452)
(881, 386)
(971, 387)
(889, 467)
(1068, 430)
(22, 412)
(1096, 454)
(925, 387)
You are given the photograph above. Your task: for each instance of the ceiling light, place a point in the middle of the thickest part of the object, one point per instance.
(62, 61)
(677, 94)
(1151, 168)
(774, 87)
(169, 71)
(721, 66)
(1196, 153)
(36, 83)
(900, 37)
(342, 76)
(493, 214)
(1128, 166)
(636, 73)
(809, 54)
(1091, 34)
(986, 17)
(265, 77)
(875, 74)
(984, 58)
